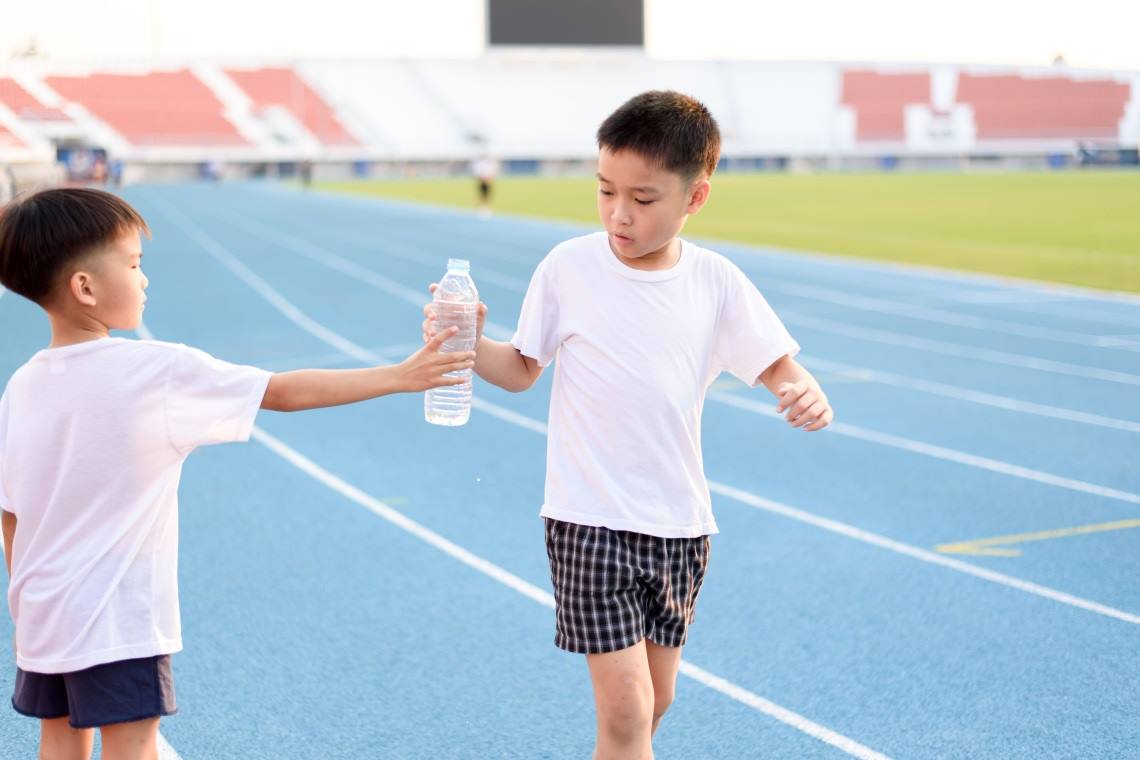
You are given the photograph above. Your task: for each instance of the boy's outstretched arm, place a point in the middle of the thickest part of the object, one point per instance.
(501, 364)
(318, 388)
(800, 395)
(496, 361)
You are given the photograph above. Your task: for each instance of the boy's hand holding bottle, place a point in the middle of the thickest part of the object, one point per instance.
(455, 306)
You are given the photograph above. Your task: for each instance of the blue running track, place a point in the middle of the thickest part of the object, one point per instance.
(357, 583)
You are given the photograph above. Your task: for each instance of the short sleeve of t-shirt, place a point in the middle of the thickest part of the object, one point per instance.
(537, 334)
(5, 503)
(750, 337)
(211, 401)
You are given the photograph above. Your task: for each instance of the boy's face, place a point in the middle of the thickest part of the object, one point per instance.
(112, 284)
(644, 207)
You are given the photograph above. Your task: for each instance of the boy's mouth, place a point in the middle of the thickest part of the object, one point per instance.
(621, 238)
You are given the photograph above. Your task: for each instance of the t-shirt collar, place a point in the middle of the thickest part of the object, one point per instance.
(646, 275)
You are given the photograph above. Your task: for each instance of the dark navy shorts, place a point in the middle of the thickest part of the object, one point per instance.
(613, 588)
(114, 692)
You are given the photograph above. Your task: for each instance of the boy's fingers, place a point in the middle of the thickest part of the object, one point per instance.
(803, 403)
(441, 337)
(808, 415)
(787, 394)
(432, 287)
(786, 400)
(821, 421)
(819, 424)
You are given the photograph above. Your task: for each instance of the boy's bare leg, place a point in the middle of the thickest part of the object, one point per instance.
(623, 699)
(137, 740)
(59, 741)
(663, 665)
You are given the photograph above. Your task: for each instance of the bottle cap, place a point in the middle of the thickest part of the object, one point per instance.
(458, 265)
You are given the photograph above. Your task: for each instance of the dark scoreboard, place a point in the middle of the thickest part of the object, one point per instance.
(566, 22)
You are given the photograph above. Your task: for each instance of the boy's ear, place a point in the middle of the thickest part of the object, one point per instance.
(81, 287)
(698, 196)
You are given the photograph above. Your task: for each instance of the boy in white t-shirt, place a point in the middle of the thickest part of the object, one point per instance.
(641, 323)
(93, 434)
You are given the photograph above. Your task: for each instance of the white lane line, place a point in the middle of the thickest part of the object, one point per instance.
(752, 500)
(348, 267)
(339, 263)
(956, 319)
(938, 452)
(998, 297)
(474, 561)
(956, 349)
(1131, 341)
(923, 555)
(721, 685)
(389, 246)
(332, 261)
(963, 394)
(967, 394)
(385, 284)
(165, 751)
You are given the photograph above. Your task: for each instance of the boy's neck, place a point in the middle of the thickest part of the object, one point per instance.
(67, 330)
(665, 257)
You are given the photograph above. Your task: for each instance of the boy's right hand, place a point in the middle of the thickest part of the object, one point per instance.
(429, 318)
(428, 367)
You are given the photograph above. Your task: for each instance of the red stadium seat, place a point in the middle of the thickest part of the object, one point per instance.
(284, 88)
(1016, 107)
(25, 105)
(879, 99)
(9, 140)
(160, 108)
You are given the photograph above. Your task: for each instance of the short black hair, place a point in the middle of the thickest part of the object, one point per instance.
(42, 234)
(667, 128)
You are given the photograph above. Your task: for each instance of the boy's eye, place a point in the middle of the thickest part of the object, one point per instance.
(604, 192)
(643, 203)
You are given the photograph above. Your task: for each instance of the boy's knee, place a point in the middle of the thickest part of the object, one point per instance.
(627, 716)
(626, 725)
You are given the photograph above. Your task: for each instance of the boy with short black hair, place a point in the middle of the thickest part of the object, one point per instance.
(93, 434)
(641, 323)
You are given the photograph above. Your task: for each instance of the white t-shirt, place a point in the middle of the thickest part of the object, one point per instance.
(92, 440)
(636, 353)
(485, 168)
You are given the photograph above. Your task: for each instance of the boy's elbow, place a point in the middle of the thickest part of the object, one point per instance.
(526, 381)
(518, 386)
(277, 397)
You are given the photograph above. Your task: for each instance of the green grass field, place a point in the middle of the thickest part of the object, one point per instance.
(1081, 228)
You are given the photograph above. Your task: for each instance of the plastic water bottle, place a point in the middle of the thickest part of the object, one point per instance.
(456, 303)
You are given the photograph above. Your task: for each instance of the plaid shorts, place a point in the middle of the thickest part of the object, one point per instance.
(613, 588)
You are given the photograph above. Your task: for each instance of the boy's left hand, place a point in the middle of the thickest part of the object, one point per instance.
(429, 318)
(807, 407)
